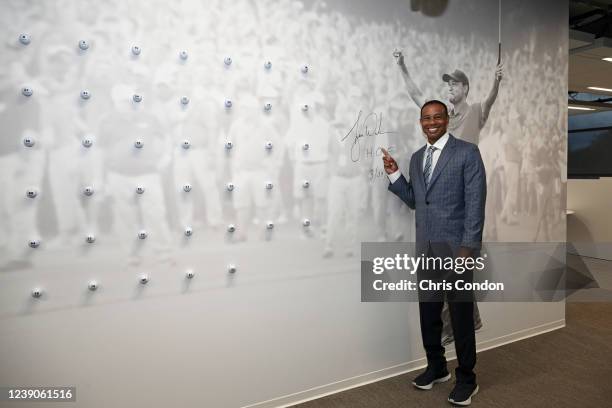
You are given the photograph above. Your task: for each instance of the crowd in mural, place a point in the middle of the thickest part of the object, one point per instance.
(313, 170)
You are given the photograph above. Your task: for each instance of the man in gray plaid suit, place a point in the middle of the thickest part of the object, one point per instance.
(447, 188)
(465, 122)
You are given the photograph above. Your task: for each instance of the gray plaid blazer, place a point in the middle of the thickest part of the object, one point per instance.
(452, 209)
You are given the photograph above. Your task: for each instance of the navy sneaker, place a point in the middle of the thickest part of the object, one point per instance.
(429, 377)
(462, 394)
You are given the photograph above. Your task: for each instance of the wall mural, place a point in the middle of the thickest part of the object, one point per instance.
(217, 141)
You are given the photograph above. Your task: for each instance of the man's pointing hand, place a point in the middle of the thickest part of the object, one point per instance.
(389, 162)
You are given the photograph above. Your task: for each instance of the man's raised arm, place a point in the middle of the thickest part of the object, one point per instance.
(413, 90)
(488, 103)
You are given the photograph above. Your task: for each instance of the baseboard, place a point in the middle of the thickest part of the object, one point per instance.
(597, 250)
(519, 335)
(374, 376)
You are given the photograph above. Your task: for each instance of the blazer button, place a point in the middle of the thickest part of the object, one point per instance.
(426, 202)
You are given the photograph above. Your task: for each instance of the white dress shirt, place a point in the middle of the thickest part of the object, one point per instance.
(439, 145)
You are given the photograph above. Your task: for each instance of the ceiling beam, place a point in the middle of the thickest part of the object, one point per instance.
(589, 104)
(581, 17)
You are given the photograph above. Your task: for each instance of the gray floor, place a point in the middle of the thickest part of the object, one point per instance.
(571, 367)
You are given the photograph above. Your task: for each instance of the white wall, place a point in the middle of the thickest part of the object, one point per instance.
(589, 229)
(289, 324)
(230, 347)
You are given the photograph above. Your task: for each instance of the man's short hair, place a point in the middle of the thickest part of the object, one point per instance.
(434, 102)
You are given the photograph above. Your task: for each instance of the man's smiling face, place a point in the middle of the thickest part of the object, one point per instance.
(434, 121)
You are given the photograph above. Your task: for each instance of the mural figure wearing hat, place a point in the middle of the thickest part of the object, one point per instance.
(465, 120)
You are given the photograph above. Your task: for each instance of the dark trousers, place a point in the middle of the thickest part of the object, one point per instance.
(462, 321)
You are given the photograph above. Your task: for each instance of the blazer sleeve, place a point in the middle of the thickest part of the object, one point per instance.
(403, 189)
(475, 194)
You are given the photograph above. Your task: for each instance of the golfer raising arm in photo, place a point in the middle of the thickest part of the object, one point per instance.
(465, 120)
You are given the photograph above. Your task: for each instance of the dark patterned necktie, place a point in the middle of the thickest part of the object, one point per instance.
(427, 169)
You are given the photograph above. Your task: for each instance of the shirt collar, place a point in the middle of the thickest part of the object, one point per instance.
(458, 112)
(440, 143)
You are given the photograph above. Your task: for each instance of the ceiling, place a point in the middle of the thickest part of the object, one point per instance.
(590, 40)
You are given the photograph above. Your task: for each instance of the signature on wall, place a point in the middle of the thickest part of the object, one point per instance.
(371, 125)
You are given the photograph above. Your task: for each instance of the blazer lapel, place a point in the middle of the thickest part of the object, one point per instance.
(419, 157)
(447, 153)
